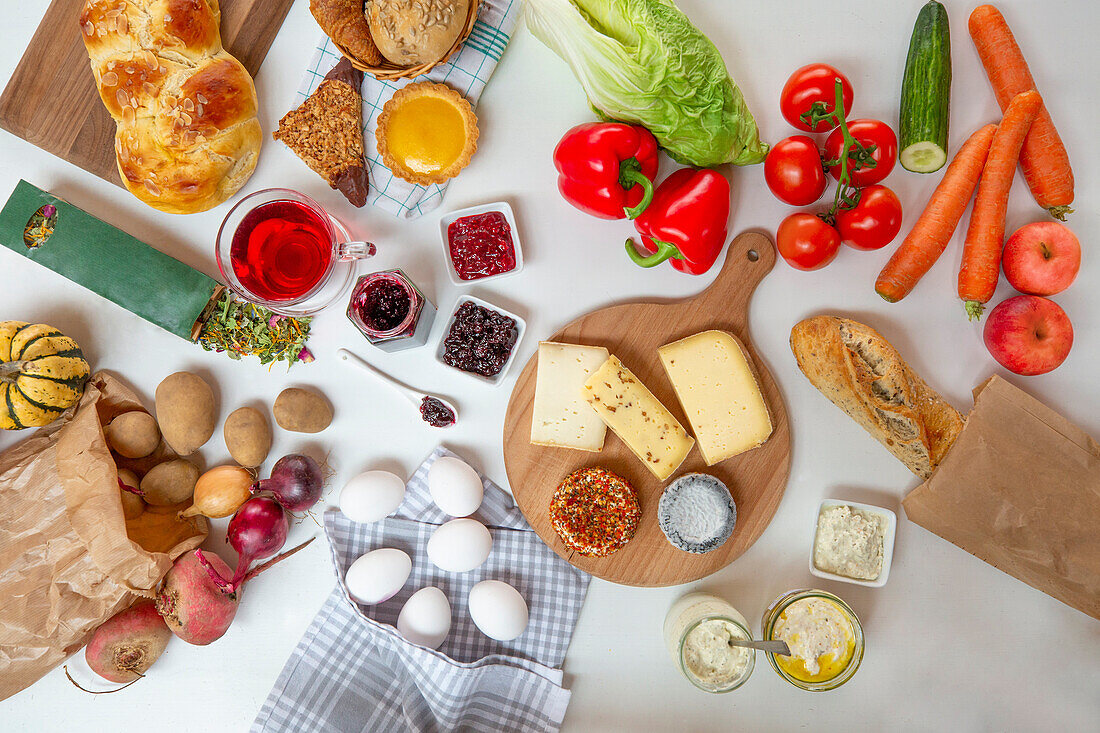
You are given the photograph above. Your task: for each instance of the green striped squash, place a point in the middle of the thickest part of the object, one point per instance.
(42, 374)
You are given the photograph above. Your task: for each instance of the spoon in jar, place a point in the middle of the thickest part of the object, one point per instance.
(436, 411)
(775, 647)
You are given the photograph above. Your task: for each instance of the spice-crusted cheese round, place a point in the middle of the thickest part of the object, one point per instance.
(595, 511)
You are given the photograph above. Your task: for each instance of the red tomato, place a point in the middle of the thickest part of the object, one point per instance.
(806, 242)
(810, 84)
(867, 132)
(873, 222)
(794, 172)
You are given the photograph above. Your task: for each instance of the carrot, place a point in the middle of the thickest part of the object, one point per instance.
(1043, 159)
(981, 261)
(933, 230)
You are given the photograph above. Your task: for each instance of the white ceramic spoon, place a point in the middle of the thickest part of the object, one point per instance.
(414, 396)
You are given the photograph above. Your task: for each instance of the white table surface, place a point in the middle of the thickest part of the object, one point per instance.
(952, 644)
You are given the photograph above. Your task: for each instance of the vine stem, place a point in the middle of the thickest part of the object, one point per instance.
(845, 182)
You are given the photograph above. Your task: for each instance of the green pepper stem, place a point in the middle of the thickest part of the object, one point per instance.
(630, 174)
(665, 251)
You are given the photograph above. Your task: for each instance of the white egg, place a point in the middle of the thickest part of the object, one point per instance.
(371, 496)
(498, 610)
(378, 575)
(425, 618)
(459, 545)
(455, 487)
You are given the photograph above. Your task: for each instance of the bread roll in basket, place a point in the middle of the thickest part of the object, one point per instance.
(187, 137)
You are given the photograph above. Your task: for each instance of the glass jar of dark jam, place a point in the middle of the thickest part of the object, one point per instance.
(390, 311)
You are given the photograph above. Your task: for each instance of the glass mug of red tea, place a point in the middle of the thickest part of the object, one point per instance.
(279, 249)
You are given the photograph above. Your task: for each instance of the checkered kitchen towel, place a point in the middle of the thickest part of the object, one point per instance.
(352, 671)
(468, 71)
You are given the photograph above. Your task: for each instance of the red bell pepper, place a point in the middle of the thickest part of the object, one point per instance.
(686, 222)
(607, 168)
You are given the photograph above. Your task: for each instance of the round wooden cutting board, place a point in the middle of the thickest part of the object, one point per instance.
(633, 332)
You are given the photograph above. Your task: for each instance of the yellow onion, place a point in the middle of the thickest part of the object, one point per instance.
(220, 492)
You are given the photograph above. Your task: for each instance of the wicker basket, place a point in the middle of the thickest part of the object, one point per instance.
(387, 71)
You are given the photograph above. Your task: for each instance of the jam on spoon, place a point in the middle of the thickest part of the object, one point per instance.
(435, 413)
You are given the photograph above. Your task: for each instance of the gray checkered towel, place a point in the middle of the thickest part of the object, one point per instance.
(352, 671)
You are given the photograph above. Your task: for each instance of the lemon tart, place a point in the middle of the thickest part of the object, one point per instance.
(426, 133)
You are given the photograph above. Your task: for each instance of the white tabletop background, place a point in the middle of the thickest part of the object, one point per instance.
(952, 644)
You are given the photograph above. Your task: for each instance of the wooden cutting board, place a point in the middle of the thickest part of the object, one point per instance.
(633, 332)
(51, 100)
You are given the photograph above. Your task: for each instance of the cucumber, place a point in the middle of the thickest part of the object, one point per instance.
(926, 93)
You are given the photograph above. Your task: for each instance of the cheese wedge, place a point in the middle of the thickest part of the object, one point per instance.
(561, 417)
(638, 418)
(717, 388)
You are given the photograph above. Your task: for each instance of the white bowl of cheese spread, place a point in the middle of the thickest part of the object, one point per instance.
(853, 543)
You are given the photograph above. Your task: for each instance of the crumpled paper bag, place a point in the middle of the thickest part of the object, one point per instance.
(68, 558)
(1020, 489)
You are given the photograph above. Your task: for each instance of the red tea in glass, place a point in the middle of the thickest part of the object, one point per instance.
(278, 248)
(281, 250)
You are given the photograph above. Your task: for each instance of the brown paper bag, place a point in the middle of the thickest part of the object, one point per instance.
(1020, 489)
(67, 563)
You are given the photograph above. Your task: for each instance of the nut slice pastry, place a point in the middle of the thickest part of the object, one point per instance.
(326, 132)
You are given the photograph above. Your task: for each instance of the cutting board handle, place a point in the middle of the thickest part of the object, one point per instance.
(751, 256)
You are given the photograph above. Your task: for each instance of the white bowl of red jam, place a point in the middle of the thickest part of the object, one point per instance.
(481, 243)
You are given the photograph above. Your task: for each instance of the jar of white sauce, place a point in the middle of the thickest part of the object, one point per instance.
(697, 632)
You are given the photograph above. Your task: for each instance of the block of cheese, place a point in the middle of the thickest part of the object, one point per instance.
(561, 417)
(717, 388)
(638, 418)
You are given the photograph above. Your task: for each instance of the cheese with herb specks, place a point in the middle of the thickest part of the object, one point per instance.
(638, 418)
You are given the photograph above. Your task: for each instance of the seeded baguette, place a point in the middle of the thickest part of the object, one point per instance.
(864, 375)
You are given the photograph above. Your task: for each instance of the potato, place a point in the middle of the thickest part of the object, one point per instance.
(247, 436)
(133, 434)
(186, 412)
(302, 410)
(170, 483)
(132, 504)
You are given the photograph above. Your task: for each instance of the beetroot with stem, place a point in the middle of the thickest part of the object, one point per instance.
(124, 647)
(258, 530)
(296, 482)
(196, 602)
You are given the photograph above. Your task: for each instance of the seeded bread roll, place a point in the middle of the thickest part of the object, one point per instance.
(412, 32)
(862, 374)
(187, 136)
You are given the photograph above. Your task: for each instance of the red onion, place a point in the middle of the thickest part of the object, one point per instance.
(258, 530)
(296, 482)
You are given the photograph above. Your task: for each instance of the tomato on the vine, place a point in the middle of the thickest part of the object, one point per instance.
(810, 85)
(867, 133)
(806, 242)
(873, 222)
(793, 171)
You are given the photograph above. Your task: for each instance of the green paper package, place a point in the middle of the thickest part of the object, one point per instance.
(107, 261)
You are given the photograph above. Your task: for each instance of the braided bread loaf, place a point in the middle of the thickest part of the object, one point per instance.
(187, 137)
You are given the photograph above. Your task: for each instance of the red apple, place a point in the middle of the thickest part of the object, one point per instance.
(1042, 258)
(1028, 335)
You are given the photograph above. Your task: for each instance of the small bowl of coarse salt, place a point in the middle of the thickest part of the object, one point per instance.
(853, 543)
